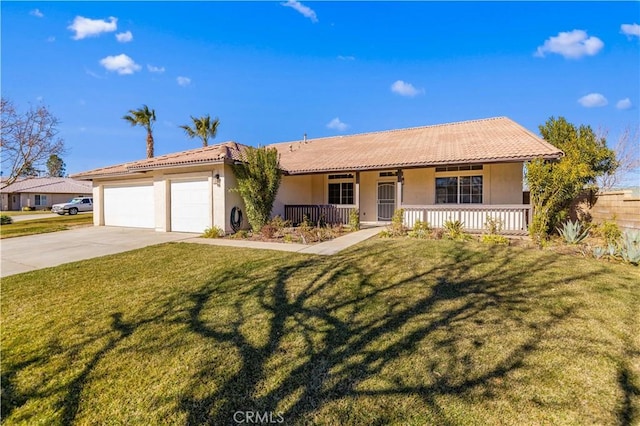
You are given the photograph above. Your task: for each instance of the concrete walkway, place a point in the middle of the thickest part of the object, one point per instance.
(24, 254)
(326, 248)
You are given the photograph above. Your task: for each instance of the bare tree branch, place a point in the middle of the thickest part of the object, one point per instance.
(627, 151)
(28, 139)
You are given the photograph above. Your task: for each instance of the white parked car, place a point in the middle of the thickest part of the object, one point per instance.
(78, 204)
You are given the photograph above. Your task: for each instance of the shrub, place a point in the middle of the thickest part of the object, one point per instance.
(354, 220)
(495, 239)
(599, 252)
(278, 223)
(454, 230)
(240, 235)
(493, 226)
(5, 220)
(420, 230)
(572, 232)
(397, 228)
(213, 232)
(610, 232)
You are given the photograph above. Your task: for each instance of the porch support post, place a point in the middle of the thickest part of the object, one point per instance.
(357, 194)
(399, 190)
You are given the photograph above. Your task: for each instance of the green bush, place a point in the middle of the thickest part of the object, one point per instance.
(240, 235)
(454, 230)
(278, 223)
(354, 219)
(610, 232)
(213, 232)
(420, 230)
(5, 220)
(493, 226)
(397, 228)
(495, 239)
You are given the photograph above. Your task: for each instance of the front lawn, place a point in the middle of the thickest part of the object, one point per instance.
(387, 332)
(41, 226)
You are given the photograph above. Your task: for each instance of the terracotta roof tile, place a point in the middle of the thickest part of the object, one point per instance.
(479, 141)
(488, 140)
(203, 155)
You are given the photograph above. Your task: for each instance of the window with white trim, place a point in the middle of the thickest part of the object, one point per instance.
(41, 200)
(456, 188)
(341, 189)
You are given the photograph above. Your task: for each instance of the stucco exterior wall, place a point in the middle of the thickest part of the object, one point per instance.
(419, 186)
(295, 190)
(505, 183)
(232, 199)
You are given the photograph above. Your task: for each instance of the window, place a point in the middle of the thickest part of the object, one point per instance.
(459, 189)
(458, 168)
(41, 200)
(341, 193)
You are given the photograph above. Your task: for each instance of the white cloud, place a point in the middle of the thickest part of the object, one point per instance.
(338, 125)
(155, 69)
(405, 89)
(85, 27)
(346, 58)
(183, 81)
(630, 30)
(124, 37)
(593, 100)
(122, 64)
(572, 45)
(306, 11)
(624, 103)
(36, 13)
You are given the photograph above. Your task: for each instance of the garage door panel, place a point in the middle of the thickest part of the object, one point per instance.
(190, 206)
(129, 206)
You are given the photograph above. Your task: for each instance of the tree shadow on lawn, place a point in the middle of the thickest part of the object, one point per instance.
(350, 340)
(335, 329)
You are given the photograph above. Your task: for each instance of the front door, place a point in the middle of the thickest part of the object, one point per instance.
(386, 200)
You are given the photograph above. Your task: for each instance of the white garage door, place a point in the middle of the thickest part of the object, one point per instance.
(130, 206)
(190, 206)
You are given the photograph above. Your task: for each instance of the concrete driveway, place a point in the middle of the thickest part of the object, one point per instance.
(24, 254)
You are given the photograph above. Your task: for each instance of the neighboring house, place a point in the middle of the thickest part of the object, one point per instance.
(464, 171)
(42, 193)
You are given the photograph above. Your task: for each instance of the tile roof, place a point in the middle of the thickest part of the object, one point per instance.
(49, 185)
(204, 155)
(478, 141)
(488, 140)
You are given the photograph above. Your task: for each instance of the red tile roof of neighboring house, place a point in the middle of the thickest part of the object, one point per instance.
(478, 141)
(48, 185)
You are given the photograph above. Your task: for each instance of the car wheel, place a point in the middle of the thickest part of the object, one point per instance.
(73, 211)
(61, 213)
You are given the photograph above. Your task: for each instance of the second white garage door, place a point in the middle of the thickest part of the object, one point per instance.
(130, 206)
(191, 207)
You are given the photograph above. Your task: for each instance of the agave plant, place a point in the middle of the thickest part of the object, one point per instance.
(573, 233)
(599, 252)
(630, 248)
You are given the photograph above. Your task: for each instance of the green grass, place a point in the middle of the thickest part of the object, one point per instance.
(41, 226)
(388, 332)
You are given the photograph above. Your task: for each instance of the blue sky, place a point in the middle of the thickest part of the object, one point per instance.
(272, 71)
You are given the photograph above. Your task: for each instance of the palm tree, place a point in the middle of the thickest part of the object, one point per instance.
(203, 127)
(143, 117)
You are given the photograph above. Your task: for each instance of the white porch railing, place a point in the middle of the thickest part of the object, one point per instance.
(318, 213)
(515, 218)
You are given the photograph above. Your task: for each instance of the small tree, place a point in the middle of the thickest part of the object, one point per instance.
(554, 185)
(203, 127)
(55, 166)
(143, 117)
(27, 140)
(627, 150)
(258, 182)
